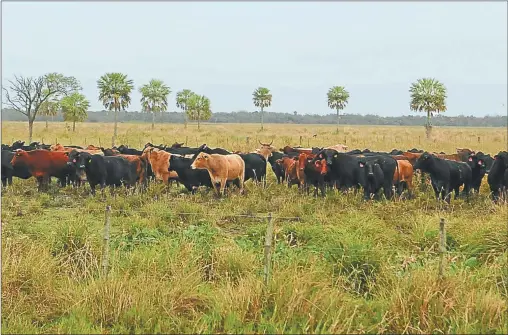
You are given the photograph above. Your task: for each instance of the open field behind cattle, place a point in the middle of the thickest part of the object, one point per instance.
(193, 263)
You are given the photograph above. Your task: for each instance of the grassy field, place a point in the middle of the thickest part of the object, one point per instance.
(344, 266)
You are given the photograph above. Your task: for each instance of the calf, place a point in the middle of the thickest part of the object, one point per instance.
(191, 178)
(104, 170)
(221, 169)
(289, 166)
(315, 174)
(445, 175)
(498, 176)
(43, 165)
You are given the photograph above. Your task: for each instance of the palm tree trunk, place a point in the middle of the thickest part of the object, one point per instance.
(262, 111)
(153, 120)
(185, 117)
(199, 118)
(46, 117)
(116, 121)
(73, 126)
(338, 120)
(427, 126)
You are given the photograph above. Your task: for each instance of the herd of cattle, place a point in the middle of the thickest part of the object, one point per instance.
(329, 167)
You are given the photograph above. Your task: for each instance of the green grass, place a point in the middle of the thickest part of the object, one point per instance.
(346, 266)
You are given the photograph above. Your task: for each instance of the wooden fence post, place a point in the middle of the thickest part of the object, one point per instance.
(442, 246)
(186, 139)
(100, 145)
(268, 246)
(105, 246)
(300, 140)
(308, 142)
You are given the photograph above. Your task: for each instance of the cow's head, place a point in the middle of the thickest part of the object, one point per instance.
(201, 161)
(423, 161)
(19, 157)
(474, 161)
(321, 166)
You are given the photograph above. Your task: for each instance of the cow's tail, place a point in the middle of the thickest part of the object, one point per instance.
(397, 182)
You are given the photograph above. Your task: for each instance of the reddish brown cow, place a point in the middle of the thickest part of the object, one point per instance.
(412, 156)
(302, 162)
(403, 176)
(452, 157)
(289, 165)
(159, 161)
(222, 168)
(43, 165)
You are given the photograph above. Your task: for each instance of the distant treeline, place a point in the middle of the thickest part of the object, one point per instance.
(254, 117)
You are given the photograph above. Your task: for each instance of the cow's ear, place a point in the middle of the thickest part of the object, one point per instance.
(480, 162)
(361, 164)
(66, 154)
(470, 158)
(89, 160)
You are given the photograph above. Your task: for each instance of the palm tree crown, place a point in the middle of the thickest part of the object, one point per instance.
(114, 91)
(154, 96)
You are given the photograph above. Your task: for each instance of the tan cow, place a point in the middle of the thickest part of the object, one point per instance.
(265, 150)
(222, 168)
(338, 147)
(159, 161)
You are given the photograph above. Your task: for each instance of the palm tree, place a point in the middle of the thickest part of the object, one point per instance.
(338, 98)
(114, 93)
(262, 98)
(154, 98)
(49, 107)
(428, 95)
(75, 108)
(182, 99)
(198, 108)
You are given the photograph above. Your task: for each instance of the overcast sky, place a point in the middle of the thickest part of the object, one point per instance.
(298, 50)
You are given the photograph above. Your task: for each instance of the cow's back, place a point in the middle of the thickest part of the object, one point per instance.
(235, 166)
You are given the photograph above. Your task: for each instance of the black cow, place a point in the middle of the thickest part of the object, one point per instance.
(477, 166)
(371, 177)
(445, 175)
(498, 176)
(255, 167)
(487, 159)
(21, 145)
(123, 149)
(415, 151)
(9, 171)
(354, 152)
(276, 168)
(190, 178)
(208, 150)
(104, 170)
(344, 169)
(396, 152)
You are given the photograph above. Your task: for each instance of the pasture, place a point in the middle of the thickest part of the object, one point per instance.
(182, 263)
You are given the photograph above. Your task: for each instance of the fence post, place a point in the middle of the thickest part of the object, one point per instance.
(105, 246)
(100, 145)
(300, 140)
(442, 246)
(186, 139)
(308, 142)
(247, 140)
(478, 139)
(268, 246)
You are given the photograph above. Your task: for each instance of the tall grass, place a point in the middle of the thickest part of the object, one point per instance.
(346, 266)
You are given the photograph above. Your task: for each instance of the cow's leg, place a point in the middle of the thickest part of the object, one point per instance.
(222, 186)
(4, 181)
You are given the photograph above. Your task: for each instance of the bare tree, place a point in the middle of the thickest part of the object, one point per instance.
(26, 94)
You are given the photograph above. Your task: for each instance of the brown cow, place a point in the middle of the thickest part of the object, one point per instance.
(452, 157)
(464, 154)
(412, 156)
(60, 148)
(403, 176)
(141, 170)
(43, 164)
(302, 160)
(159, 161)
(289, 165)
(92, 147)
(222, 168)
